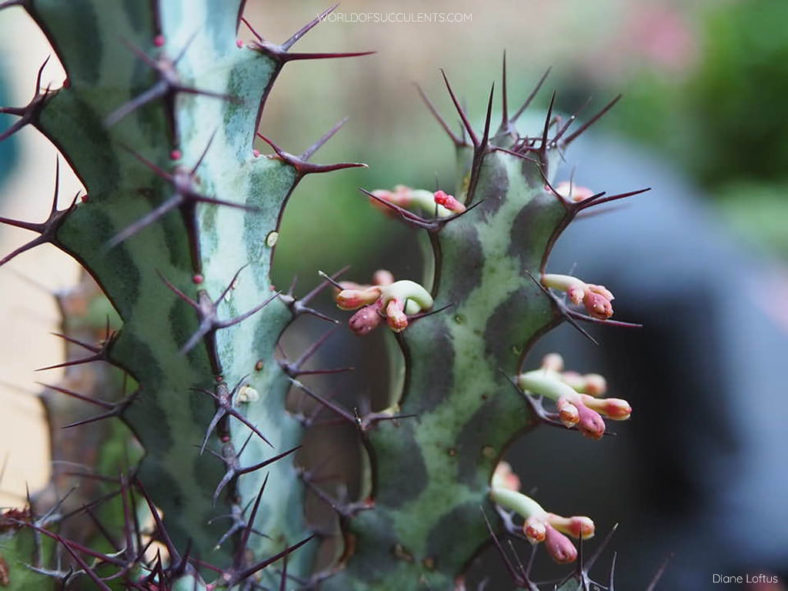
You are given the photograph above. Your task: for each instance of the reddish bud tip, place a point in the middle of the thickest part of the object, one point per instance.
(559, 546)
(535, 530)
(504, 477)
(256, 153)
(175, 155)
(225, 438)
(351, 299)
(197, 279)
(66, 83)
(590, 423)
(448, 201)
(395, 316)
(365, 320)
(239, 44)
(158, 40)
(259, 365)
(84, 198)
(597, 305)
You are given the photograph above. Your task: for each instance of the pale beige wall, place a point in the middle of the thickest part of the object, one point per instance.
(27, 313)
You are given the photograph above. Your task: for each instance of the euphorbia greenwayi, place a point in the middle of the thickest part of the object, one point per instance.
(158, 117)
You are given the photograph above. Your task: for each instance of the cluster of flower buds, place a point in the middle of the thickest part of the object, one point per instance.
(570, 192)
(385, 299)
(595, 298)
(539, 525)
(440, 203)
(578, 398)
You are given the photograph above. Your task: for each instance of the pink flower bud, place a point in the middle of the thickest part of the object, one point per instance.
(597, 305)
(590, 424)
(595, 384)
(383, 277)
(448, 201)
(504, 477)
(553, 362)
(576, 526)
(614, 408)
(351, 299)
(567, 412)
(576, 293)
(365, 320)
(535, 530)
(559, 546)
(572, 192)
(395, 315)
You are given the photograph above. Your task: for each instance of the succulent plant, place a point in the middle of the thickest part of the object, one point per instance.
(158, 118)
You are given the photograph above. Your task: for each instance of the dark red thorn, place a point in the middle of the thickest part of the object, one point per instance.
(251, 28)
(234, 470)
(460, 110)
(572, 118)
(244, 574)
(531, 96)
(295, 367)
(283, 577)
(78, 396)
(499, 547)
(328, 280)
(536, 405)
(309, 152)
(658, 575)
(320, 315)
(607, 322)
(178, 292)
(513, 153)
(76, 547)
(322, 372)
(303, 167)
(204, 152)
(290, 57)
(487, 119)
(28, 113)
(573, 136)
(47, 229)
(453, 136)
(163, 536)
(480, 150)
(420, 315)
(346, 510)
(245, 315)
(103, 530)
(230, 284)
(611, 582)
(240, 554)
(326, 403)
(563, 310)
(148, 219)
(599, 198)
(158, 90)
(569, 207)
(116, 412)
(307, 27)
(408, 216)
(544, 143)
(102, 355)
(153, 167)
(225, 408)
(504, 98)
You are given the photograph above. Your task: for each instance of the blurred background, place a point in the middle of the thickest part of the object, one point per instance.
(699, 474)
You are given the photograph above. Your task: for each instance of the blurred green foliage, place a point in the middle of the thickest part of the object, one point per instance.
(725, 121)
